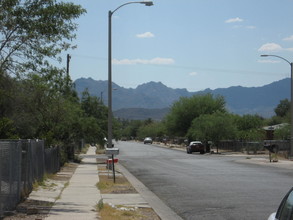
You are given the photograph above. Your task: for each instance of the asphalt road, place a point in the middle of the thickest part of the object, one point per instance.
(210, 187)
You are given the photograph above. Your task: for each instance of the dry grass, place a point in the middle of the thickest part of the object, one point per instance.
(110, 213)
(107, 185)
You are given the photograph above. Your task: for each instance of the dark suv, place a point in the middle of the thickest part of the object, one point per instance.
(195, 146)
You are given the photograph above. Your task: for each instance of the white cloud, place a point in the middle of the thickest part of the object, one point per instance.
(145, 35)
(270, 47)
(156, 61)
(193, 73)
(288, 38)
(233, 20)
(273, 47)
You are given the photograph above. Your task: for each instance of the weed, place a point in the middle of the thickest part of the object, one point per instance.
(66, 185)
(100, 205)
(39, 183)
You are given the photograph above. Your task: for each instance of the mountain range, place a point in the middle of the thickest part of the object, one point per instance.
(153, 99)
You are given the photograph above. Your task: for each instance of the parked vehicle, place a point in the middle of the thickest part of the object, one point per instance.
(285, 210)
(148, 140)
(195, 146)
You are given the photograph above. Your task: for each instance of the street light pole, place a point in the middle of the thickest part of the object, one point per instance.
(146, 3)
(291, 104)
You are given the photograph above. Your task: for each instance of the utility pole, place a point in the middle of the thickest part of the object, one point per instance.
(110, 113)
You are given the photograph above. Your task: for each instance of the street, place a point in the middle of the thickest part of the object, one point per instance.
(207, 186)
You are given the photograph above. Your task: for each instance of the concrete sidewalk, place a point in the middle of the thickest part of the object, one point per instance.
(79, 199)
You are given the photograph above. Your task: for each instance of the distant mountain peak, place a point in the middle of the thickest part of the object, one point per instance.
(155, 95)
(152, 84)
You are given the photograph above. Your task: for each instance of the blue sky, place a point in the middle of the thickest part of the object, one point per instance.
(192, 44)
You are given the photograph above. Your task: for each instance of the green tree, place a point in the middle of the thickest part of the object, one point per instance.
(283, 133)
(213, 127)
(184, 111)
(249, 127)
(130, 128)
(92, 131)
(283, 108)
(95, 118)
(33, 30)
(7, 129)
(154, 129)
(8, 91)
(43, 110)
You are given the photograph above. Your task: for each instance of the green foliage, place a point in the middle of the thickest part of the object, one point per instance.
(184, 111)
(248, 122)
(44, 110)
(154, 129)
(130, 128)
(91, 130)
(34, 30)
(7, 129)
(249, 127)
(252, 134)
(283, 133)
(40, 101)
(275, 120)
(95, 116)
(283, 108)
(141, 129)
(213, 127)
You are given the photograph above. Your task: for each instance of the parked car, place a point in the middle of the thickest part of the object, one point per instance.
(285, 210)
(195, 146)
(148, 140)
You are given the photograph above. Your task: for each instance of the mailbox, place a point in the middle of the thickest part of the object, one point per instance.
(112, 151)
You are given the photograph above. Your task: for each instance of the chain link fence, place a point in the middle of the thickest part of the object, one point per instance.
(22, 162)
(241, 146)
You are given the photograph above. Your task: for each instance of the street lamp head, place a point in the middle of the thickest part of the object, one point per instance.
(264, 55)
(148, 3)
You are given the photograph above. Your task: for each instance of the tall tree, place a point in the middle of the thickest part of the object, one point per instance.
(33, 30)
(95, 117)
(184, 111)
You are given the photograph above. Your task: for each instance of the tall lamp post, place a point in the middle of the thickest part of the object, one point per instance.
(291, 106)
(146, 3)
